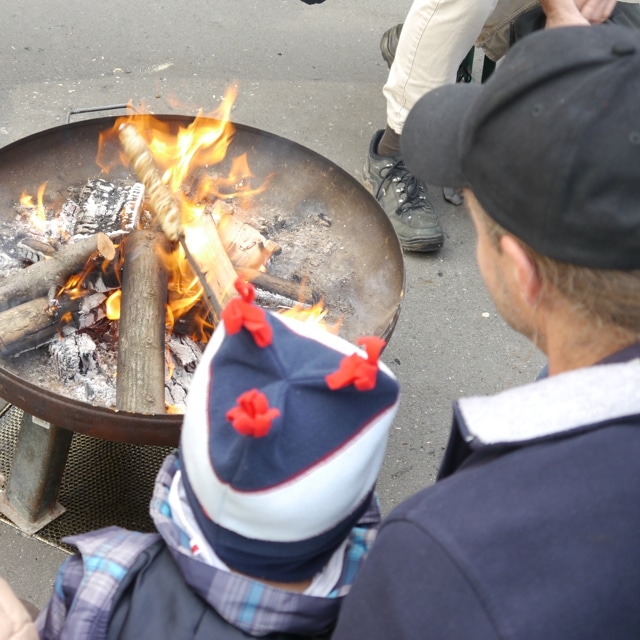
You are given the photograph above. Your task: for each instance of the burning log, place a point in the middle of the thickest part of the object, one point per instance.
(38, 279)
(37, 322)
(212, 260)
(218, 282)
(271, 291)
(33, 323)
(141, 369)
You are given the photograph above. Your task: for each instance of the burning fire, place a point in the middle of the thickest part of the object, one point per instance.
(188, 159)
(181, 156)
(112, 305)
(38, 218)
(43, 224)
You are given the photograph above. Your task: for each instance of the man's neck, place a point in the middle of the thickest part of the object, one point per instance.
(571, 342)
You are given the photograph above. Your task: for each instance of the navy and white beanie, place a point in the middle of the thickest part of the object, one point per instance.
(282, 441)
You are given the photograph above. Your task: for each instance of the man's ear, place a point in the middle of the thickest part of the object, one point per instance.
(526, 274)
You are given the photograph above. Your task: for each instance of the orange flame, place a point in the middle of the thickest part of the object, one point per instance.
(38, 215)
(66, 318)
(187, 157)
(112, 305)
(41, 219)
(315, 313)
(180, 152)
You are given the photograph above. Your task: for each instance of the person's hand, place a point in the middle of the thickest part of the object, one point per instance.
(564, 13)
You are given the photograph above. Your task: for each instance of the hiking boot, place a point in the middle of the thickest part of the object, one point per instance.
(404, 199)
(389, 44)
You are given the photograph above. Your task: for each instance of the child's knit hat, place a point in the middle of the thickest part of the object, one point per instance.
(283, 438)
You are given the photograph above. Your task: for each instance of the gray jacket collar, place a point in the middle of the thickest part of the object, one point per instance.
(552, 406)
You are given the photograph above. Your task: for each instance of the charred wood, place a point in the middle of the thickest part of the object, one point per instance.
(73, 356)
(185, 355)
(279, 286)
(107, 207)
(37, 279)
(33, 250)
(34, 323)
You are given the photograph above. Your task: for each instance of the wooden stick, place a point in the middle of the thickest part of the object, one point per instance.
(279, 286)
(37, 279)
(141, 368)
(188, 323)
(165, 206)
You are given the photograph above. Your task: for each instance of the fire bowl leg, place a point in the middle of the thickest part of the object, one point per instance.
(30, 499)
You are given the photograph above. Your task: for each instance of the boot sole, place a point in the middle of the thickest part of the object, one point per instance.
(424, 244)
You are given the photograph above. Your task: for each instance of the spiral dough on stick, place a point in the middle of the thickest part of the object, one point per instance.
(166, 208)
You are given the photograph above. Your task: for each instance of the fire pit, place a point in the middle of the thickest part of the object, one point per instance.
(353, 260)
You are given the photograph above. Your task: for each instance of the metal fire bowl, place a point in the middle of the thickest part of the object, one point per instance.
(302, 179)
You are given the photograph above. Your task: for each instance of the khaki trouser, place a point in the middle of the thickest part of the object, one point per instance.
(436, 37)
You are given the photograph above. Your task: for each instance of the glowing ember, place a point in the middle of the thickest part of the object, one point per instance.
(112, 305)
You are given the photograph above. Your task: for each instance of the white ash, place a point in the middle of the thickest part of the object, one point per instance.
(9, 263)
(186, 351)
(310, 254)
(185, 355)
(86, 368)
(73, 356)
(91, 310)
(107, 207)
(56, 228)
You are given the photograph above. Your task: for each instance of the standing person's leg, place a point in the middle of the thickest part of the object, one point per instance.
(436, 36)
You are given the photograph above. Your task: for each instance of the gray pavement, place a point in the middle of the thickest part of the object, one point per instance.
(312, 74)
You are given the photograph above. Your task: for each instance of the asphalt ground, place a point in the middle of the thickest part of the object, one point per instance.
(312, 74)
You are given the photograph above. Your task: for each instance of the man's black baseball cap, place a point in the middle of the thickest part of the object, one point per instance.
(550, 145)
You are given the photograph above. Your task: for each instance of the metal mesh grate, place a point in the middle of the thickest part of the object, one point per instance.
(104, 483)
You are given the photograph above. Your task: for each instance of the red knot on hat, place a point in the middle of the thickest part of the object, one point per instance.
(241, 312)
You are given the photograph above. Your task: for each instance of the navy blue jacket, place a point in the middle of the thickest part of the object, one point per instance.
(532, 529)
(144, 606)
